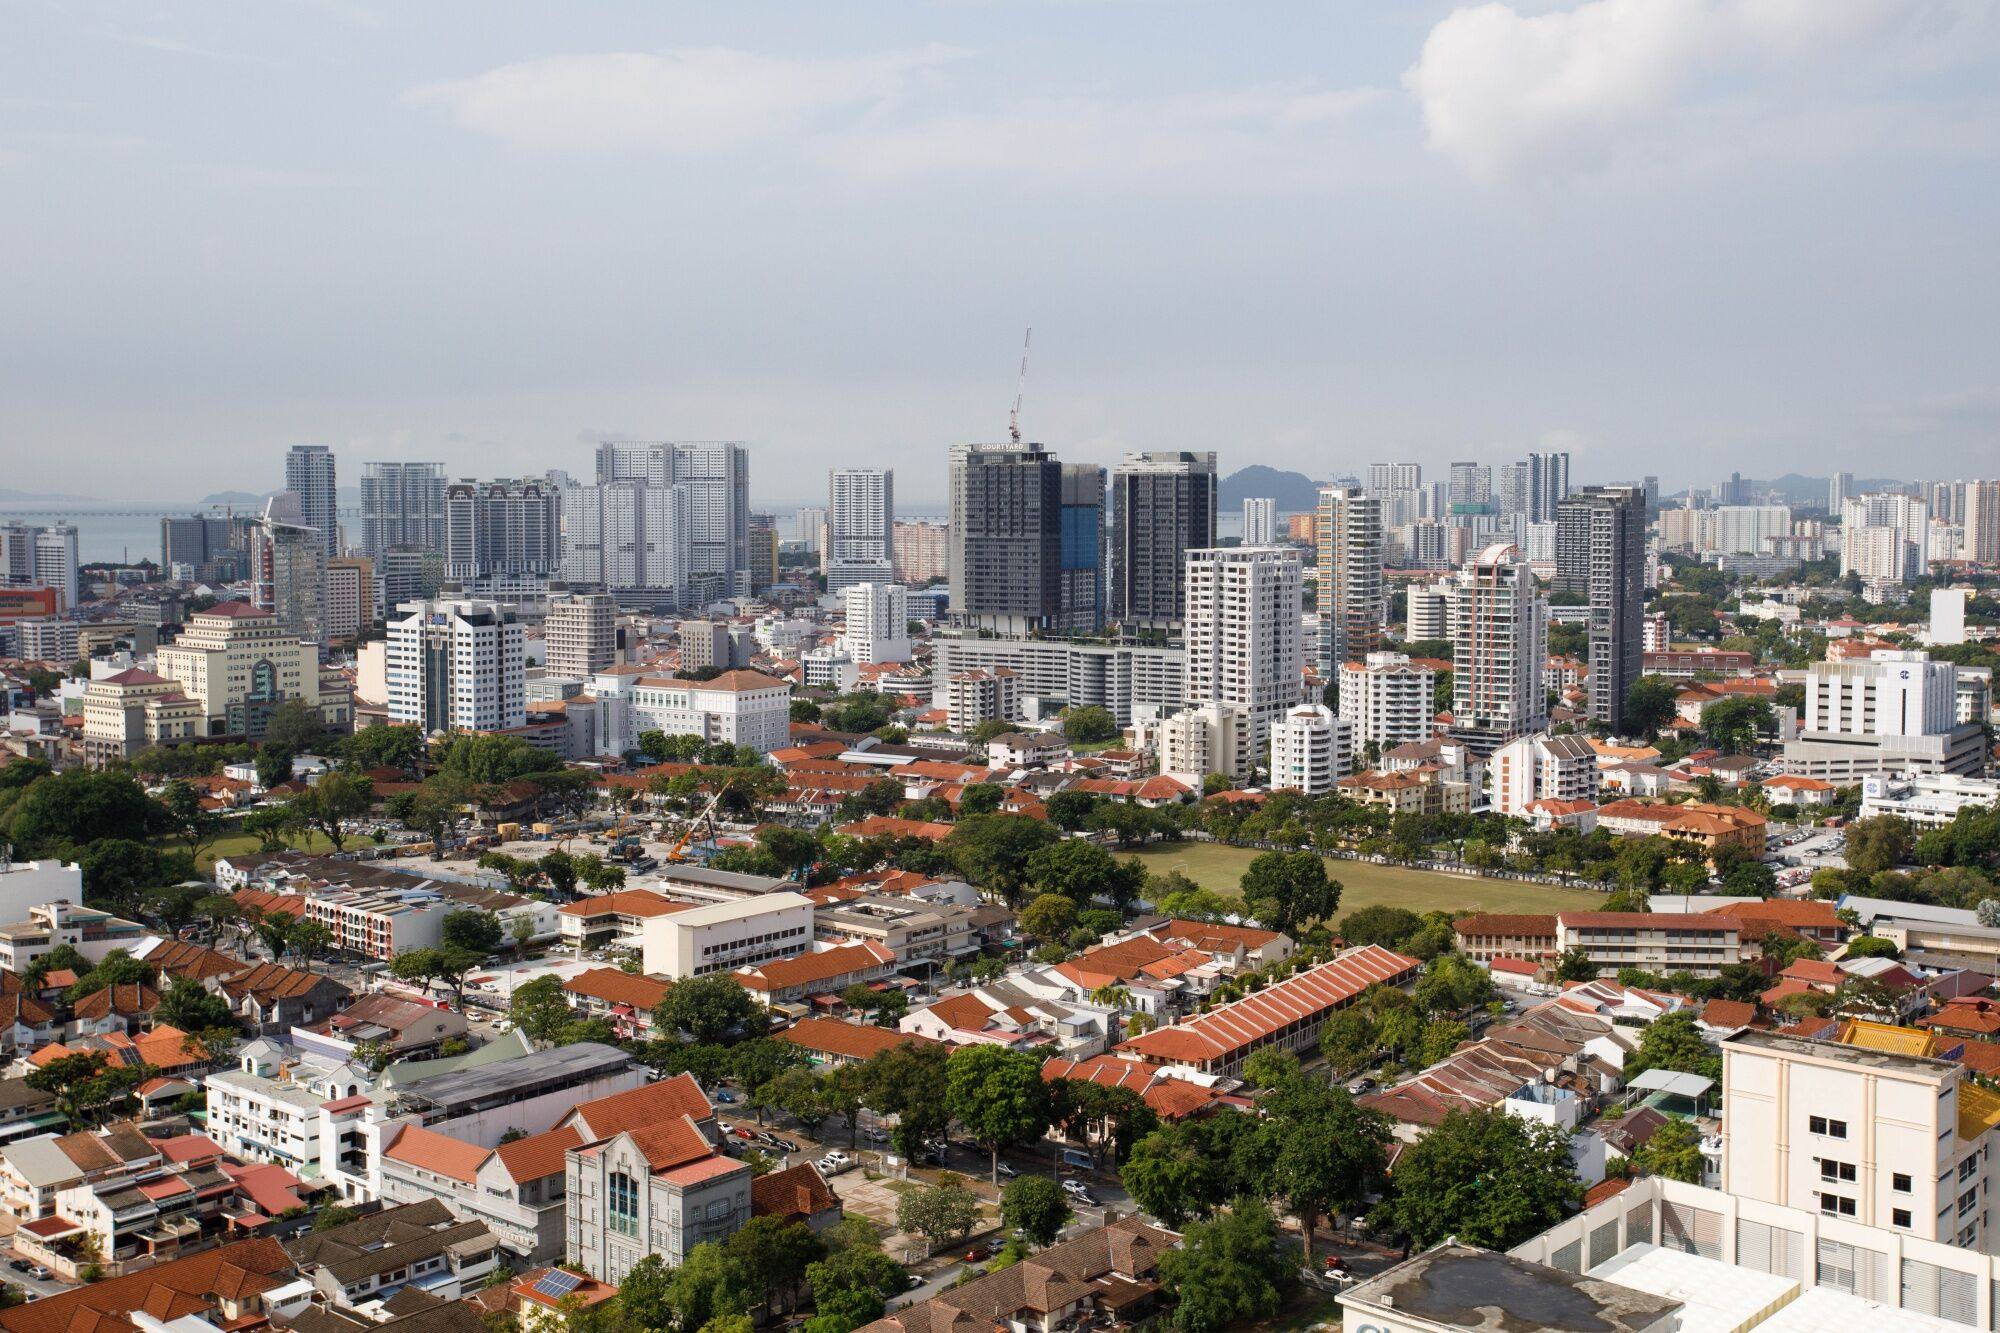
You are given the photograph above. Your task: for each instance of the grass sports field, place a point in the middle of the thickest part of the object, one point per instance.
(235, 844)
(1364, 884)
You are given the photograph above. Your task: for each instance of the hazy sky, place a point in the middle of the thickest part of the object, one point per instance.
(1681, 236)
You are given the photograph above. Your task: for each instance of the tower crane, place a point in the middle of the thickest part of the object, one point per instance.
(1020, 385)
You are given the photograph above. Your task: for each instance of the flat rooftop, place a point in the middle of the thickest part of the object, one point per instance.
(1824, 1310)
(1458, 1286)
(1715, 1297)
(1840, 1051)
(522, 1076)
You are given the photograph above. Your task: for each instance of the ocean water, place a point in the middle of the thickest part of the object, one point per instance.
(107, 532)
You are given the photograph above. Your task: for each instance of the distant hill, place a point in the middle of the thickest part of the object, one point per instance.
(34, 497)
(1295, 492)
(232, 498)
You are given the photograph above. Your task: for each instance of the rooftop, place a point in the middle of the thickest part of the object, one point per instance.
(524, 1076)
(1462, 1287)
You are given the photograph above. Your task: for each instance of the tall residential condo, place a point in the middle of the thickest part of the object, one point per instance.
(1243, 649)
(1548, 485)
(1500, 645)
(1601, 553)
(37, 557)
(1006, 538)
(1386, 477)
(1163, 505)
(1260, 521)
(1471, 484)
(717, 476)
(1982, 522)
(1081, 598)
(402, 505)
(309, 474)
(581, 633)
(506, 532)
(860, 521)
(630, 539)
(1349, 541)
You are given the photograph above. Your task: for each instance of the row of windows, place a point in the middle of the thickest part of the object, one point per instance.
(1832, 1129)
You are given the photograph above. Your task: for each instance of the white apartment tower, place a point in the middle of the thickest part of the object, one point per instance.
(1348, 535)
(456, 666)
(309, 475)
(860, 526)
(878, 622)
(1311, 750)
(582, 634)
(1242, 628)
(56, 562)
(1500, 642)
(1260, 521)
(630, 539)
(716, 474)
(1388, 700)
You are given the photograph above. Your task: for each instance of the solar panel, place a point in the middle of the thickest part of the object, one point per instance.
(557, 1284)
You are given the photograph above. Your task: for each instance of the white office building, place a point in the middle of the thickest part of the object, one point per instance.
(456, 665)
(1243, 640)
(1432, 611)
(877, 622)
(721, 937)
(581, 634)
(1311, 750)
(1896, 712)
(1388, 700)
(740, 707)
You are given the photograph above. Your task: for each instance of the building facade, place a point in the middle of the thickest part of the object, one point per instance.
(1388, 700)
(860, 524)
(1348, 538)
(402, 507)
(456, 665)
(1601, 553)
(1500, 645)
(1163, 505)
(309, 474)
(1311, 750)
(1243, 646)
(1006, 538)
(581, 633)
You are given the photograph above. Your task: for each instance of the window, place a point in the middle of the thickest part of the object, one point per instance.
(1899, 1217)
(1900, 1183)
(622, 1204)
(1835, 1205)
(1832, 1129)
(1832, 1170)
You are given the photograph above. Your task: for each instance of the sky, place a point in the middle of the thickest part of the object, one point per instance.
(1679, 237)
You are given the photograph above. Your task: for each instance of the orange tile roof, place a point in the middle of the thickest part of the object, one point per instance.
(795, 1193)
(428, 1150)
(1221, 1033)
(810, 969)
(851, 1040)
(614, 986)
(242, 1268)
(624, 902)
(538, 1155)
(676, 1096)
(890, 826)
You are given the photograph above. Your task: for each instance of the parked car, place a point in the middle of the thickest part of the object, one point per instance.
(39, 1273)
(743, 1133)
(1075, 1186)
(1007, 1172)
(835, 1161)
(876, 1135)
(723, 1097)
(18, 1265)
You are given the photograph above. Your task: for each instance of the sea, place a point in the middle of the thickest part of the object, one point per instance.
(107, 532)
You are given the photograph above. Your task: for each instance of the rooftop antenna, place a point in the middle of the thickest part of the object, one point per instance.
(1014, 417)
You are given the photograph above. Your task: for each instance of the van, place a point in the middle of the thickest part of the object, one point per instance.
(1079, 1159)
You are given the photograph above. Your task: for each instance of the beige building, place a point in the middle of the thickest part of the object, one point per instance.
(722, 937)
(582, 634)
(349, 605)
(239, 663)
(125, 713)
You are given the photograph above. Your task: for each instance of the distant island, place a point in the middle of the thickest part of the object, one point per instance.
(1295, 492)
(232, 498)
(34, 497)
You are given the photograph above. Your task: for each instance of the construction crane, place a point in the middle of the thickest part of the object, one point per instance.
(704, 820)
(1020, 386)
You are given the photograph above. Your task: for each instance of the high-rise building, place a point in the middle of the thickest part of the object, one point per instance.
(1838, 487)
(1499, 647)
(456, 666)
(763, 552)
(1006, 538)
(1260, 521)
(860, 520)
(1431, 611)
(350, 597)
(1744, 529)
(1601, 553)
(288, 569)
(581, 633)
(1885, 538)
(1388, 700)
(1982, 522)
(1548, 485)
(402, 504)
(403, 575)
(877, 622)
(1735, 491)
(1384, 478)
(503, 535)
(1471, 484)
(1896, 712)
(212, 549)
(1510, 488)
(1163, 505)
(630, 539)
(240, 663)
(1311, 750)
(1082, 594)
(309, 475)
(717, 477)
(810, 523)
(1242, 633)
(56, 562)
(923, 552)
(1348, 538)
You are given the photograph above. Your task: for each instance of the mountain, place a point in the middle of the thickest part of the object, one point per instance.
(1295, 492)
(33, 497)
(232, 498)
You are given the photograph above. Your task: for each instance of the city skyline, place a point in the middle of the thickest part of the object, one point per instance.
(1438, 263)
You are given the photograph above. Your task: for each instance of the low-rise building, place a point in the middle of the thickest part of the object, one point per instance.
(829, 1042)
(1486, 936)
(383, 1022)
(90, 932)
(913, 931)
(1699, 943)
(622, 998)
(1710, 827)
(826, 971)
(616, 919)
(1928, 800)
(723, 936)
(418, 1247)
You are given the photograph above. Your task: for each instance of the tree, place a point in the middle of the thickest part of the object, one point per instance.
(1287, 890)
(1880, 843)
(993, 851)
(777, 1254)
(470, 929)
(196, 825)
(1089, 725)
(383, 747)
(908, 1081)
(1735, 724)
(1172, 1175)
(307, 940)
(191, 1007)
(999, 1096)
(1070, 810)
(295, 726)
(1441, 1037)
(274, 765)
(1674, 1151)
(420, 967)
(329, 803)
(1081, 870)
(540, 1009)
(1871, 946)
(1650, 704)
(1380, 924)
(1489, 1178)
(1575, 965)
(945, 1212)
(1348, 1040)
(1049, 918)
(705, 1007)
(1226, 1272)
(1325, 1152)
(712, 1283)
(1750, 879)
(1452, 984)
(1674, 1041)
(77, 807)
(332, 1215)
(1033, 1206)
(981, 798)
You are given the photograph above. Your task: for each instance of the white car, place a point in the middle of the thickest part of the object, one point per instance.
(834, 1162)
(1074, 1186)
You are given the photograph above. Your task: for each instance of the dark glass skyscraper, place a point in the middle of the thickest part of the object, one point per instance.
(1163, 506)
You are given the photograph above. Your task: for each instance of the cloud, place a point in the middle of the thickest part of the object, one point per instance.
(691, 100)
(1512, 95)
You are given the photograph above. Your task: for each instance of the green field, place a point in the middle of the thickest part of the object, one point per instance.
(1364, 884)
(235, 844)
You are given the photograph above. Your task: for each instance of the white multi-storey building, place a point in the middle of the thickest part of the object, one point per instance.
(1388, 699)
(1896, 712)
(456, 665)
(1500, 644)
(629, 538)
(1311, 750)
(877, 622)
(1432, 611)
(740, 707)
(1863, 1131)
(1744, 529)
(1885, 537)
(56, 562)
(1540, 768)
(972, 697)
(239, 663)
(582, 634)
(860, 522)
(1260, 521)
(1126, 679)
(721, 937)
(1243, 641)
(1348, 538)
